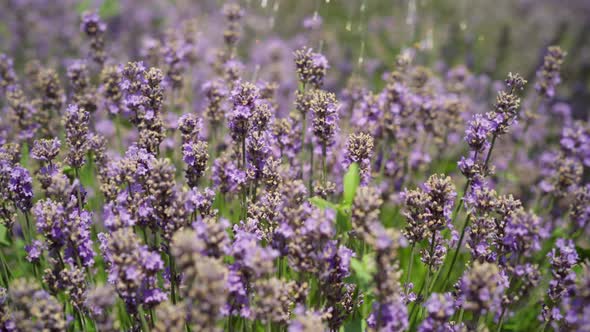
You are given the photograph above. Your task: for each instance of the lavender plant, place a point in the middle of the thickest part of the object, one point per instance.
(196, 167)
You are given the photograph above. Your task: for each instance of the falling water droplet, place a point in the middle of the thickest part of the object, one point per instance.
(411, 18)
(362, 55)
(348, 26)
(327, 1)
(263, 3)
(463, 25)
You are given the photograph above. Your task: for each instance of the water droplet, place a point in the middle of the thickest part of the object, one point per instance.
(463, 25)
(327, 1)
(348, 26)
(263, 3)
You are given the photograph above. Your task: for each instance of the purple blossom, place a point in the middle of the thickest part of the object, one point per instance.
(21, 188)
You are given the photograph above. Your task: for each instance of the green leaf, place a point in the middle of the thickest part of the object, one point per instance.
(109, 8)
(363, 269)
(351, 181)
(322, 203)
(4, 236)
(83, 6)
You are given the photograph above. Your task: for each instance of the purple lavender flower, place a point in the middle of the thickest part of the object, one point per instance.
(477, 132)
(243, 97)
(7, 74)
(76, 122)
(45, 149)
(575, 141)
(548, 75)
(576, 306)
(34, 251)
(563, 257)
(311, 67)
(195, 155)
(21, 188)
(523, 233)
(580, 208)
(439, 308)
(359, 149)
(111, 89)
(132, 268)
(481, 288)
(95, 29)
(324, 108)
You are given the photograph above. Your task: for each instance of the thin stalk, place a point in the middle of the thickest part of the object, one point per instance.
(324, 170)
(172, 267)
(27, 231)
(78, 192)
(411, 263)
(458, 248)
(310, 170)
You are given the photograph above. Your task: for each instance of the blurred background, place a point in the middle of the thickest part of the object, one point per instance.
(360, 37)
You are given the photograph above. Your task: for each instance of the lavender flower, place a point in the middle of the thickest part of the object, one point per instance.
(51, 101)
(95, 29)
(439, 308)
(35, 309)
(215, 92)
(7, 74)
(190, 127)
(306, 321)
(311, 67)
(205, 277)
(132, 269)
(110, 78)
(481, 288)
(576, 305)
(477, 132)
(99, 301)
(243, 97)
(580, 208)
(324, 108)
(365, 213)
(170, 317)
(523, 233)
(389, 310)
(563, 257)
(45, 149)
(359, 149)
(548, 75)
(80, 81)
(76, 124)
(34, 251)
(23, 112)
(195, 155)
(21, 188)
(575, 141)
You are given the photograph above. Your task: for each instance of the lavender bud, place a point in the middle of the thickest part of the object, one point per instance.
(359, 149)
(95, 29)
(170, 317)
(311, 67)
(34, 308)
(548, 75)
(324, 108)
(99, 301)
(76, 125)
(195, 155)
(45, 149)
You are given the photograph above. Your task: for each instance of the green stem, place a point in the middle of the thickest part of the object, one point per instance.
(324, 170)
(79, 191)
(410, 264)
(458, 248)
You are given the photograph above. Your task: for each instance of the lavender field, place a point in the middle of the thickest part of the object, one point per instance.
(300, 166)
